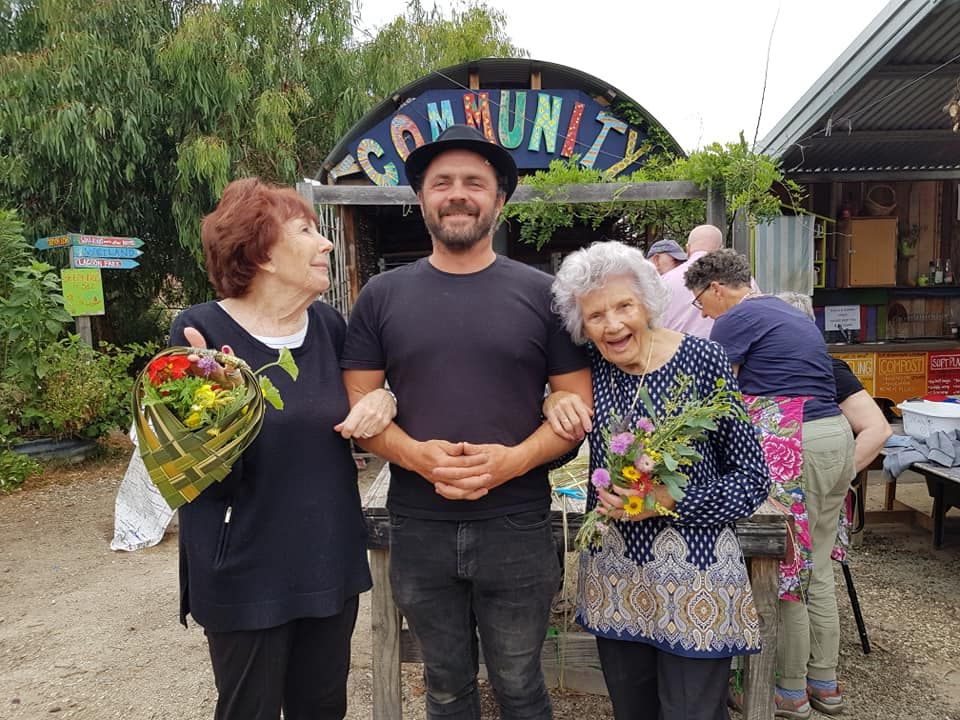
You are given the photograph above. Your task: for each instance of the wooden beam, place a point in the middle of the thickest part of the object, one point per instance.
(599, 192)
(474, 80)
(536, 82)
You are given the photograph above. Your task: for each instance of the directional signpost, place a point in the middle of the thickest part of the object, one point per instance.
(92, 253)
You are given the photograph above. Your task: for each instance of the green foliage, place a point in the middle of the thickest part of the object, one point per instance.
(14, 249)
(750, 181)
(84, 392)
(128, 117)
(423, 40)
(31, 317)
(15, 469)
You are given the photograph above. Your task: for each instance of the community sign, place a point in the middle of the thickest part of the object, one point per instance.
(536, 126)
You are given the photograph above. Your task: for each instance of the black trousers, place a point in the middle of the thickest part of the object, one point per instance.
(301, 666)
(648, 684)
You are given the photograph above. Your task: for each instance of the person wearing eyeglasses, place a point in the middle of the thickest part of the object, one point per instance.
(780, 356)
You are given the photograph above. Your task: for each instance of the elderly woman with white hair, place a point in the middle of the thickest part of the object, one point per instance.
(667, 596)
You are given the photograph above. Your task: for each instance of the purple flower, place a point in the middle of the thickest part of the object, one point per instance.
(206, 365)
(600, 478)
(644, 464)
(619, 444)
(645, 424)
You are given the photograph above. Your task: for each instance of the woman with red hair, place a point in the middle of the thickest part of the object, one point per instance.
(273, 559)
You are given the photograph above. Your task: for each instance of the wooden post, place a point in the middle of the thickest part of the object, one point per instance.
(84, 329)
(759, 669)
(717, 210)
(348, 219)
(385, 632)
(741, 235)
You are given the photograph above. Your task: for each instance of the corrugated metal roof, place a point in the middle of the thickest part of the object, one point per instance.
(879, 107)
(494, 72)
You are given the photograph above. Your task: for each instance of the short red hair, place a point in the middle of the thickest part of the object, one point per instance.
(238, 235)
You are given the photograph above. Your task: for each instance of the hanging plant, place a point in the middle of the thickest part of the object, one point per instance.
(750, 181)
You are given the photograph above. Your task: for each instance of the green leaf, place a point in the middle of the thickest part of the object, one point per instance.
(270, 392)
(647, 402)
(670, 461)
(287, 362)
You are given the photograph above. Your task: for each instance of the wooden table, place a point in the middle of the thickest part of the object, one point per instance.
(762, 536)
(943, 484)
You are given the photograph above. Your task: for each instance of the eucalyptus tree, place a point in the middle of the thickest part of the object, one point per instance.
(128, 117)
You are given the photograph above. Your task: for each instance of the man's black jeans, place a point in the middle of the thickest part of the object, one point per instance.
(494, 578)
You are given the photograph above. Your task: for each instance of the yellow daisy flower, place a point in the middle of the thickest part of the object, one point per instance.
(630, 473)
(633, 505)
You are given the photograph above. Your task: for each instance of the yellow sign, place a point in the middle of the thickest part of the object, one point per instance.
(83, 291)
(864, 366)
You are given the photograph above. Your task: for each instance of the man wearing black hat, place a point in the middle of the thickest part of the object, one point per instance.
(467, 341)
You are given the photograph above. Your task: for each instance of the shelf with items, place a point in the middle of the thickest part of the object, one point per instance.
(819, 254)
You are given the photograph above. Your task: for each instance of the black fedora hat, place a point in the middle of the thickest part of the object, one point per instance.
(461, 137)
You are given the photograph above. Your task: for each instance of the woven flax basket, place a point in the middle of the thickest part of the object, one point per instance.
(182, 462)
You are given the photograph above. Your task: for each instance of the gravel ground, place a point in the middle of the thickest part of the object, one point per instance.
(90, 634)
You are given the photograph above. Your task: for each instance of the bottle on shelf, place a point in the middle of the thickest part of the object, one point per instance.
(947, 273)
(938, 273)
(932, 273)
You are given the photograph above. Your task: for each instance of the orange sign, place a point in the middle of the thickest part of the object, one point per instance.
(901, 376)
(864, 366)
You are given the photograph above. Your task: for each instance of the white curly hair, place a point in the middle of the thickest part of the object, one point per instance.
(589, 269)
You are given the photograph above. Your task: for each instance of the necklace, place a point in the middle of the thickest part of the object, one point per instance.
(628, 416)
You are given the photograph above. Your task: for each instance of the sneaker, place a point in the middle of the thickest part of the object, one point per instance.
(791, 709)
(829, 702)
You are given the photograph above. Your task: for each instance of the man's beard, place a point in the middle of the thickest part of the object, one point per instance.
(465, 237)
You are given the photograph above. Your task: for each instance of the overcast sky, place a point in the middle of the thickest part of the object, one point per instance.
(697, 66)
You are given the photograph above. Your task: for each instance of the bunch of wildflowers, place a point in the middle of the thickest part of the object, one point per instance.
(656, 449)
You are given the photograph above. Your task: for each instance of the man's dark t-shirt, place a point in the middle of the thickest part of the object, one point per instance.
(468, 357)
(847, 382)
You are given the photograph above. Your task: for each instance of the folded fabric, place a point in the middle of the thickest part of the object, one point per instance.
(941, 447)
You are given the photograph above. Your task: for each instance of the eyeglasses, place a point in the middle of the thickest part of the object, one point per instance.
(696, 301)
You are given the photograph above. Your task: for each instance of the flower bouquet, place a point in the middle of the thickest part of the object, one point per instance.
(654, 450)
(192, 429)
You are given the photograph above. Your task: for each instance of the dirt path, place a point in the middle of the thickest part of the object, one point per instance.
(92, 634)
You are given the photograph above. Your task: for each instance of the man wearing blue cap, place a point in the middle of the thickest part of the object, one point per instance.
(666, 254)
(467, 341)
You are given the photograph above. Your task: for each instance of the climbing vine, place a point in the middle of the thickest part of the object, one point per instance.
(749, 181)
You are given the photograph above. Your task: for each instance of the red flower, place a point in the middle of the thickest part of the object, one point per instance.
(169, 367)
(644, 484)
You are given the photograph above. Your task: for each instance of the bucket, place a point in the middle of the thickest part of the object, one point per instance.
(922, 418)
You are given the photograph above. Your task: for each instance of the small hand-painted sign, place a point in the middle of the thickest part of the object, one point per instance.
(105, 241)
(82, 291)
(104, 263)
(55, 241)
(87, 251)
(71, 239)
